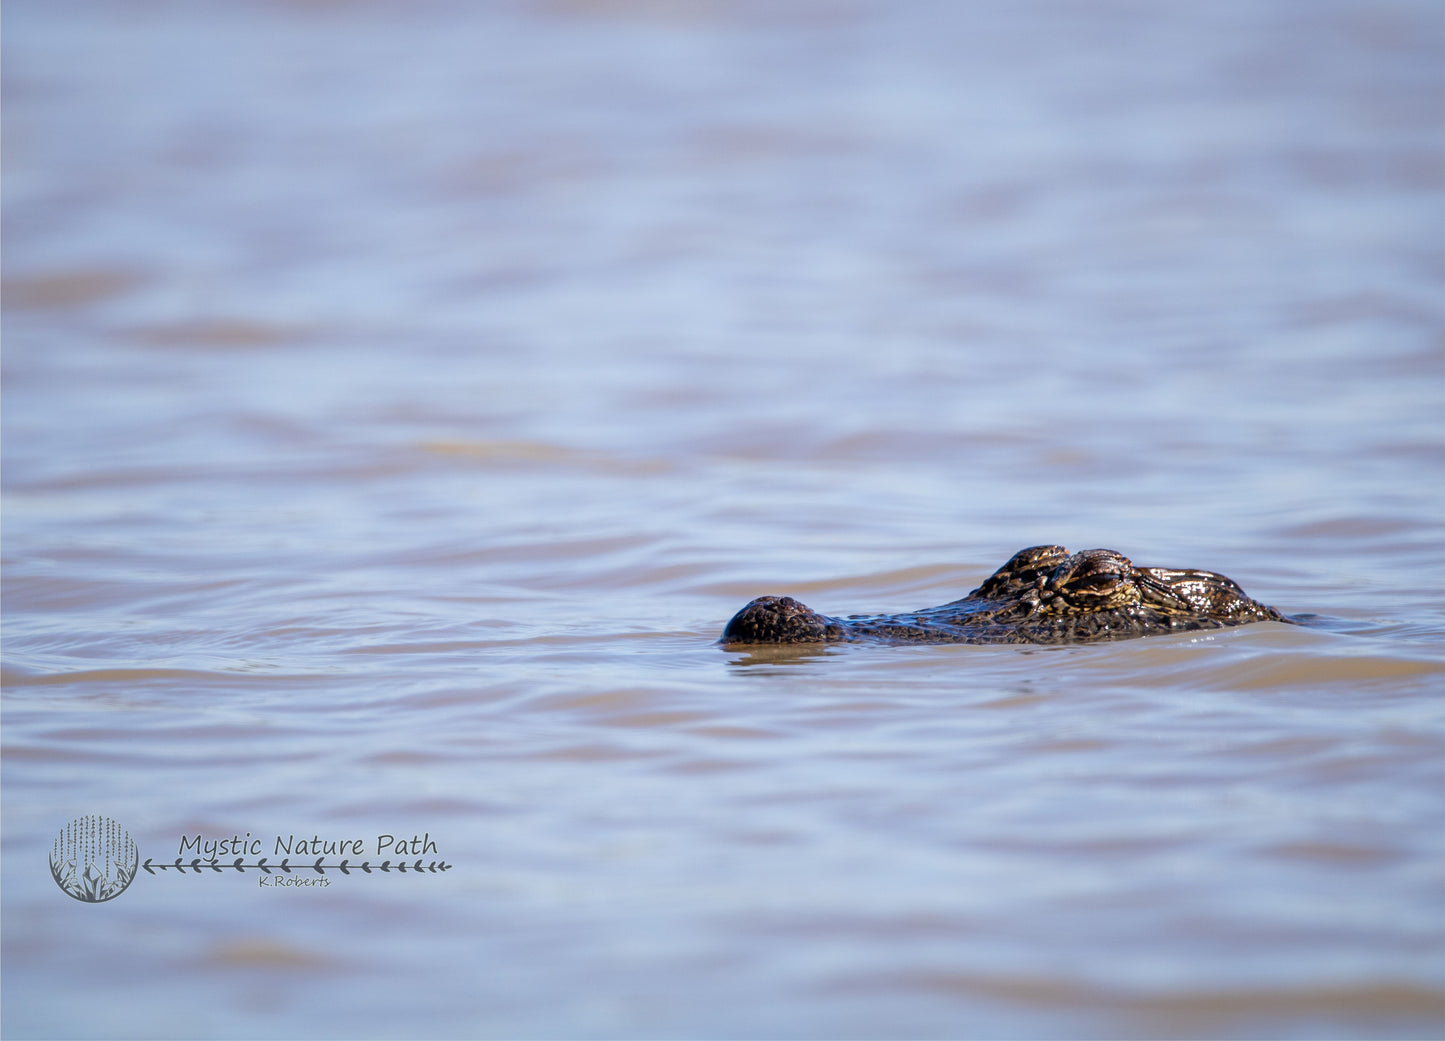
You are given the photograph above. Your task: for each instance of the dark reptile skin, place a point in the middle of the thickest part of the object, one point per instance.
(1044, 594)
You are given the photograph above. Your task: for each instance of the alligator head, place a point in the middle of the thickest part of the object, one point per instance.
(1043, 594)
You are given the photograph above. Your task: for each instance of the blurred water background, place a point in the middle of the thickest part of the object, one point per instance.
(399, 397)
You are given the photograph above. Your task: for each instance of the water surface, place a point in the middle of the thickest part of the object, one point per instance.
(398, 399)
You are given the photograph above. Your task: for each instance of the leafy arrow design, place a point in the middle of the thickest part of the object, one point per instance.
(199, 865)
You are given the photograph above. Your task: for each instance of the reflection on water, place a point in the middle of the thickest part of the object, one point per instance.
(399, 400)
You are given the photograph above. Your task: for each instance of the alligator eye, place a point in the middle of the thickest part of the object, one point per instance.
(1094, 585)
(1100, 591)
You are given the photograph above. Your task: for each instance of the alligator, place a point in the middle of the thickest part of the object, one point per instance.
(1043, 595)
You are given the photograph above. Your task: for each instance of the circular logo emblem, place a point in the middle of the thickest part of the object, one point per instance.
(93, 859)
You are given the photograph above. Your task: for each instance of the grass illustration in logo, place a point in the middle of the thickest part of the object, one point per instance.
(93, 859)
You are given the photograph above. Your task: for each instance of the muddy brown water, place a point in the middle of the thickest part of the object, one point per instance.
(398, 399)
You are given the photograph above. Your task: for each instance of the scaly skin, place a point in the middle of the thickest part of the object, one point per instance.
(1044, 594)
